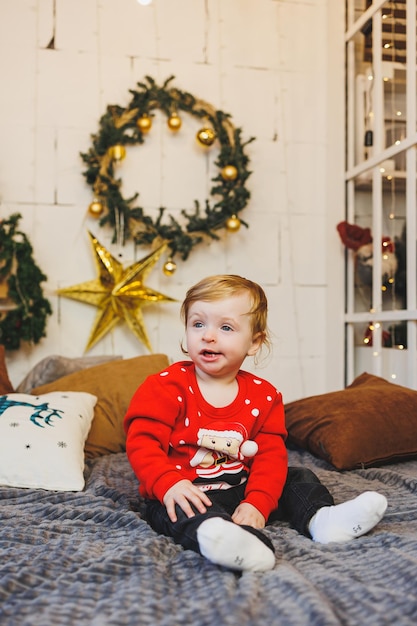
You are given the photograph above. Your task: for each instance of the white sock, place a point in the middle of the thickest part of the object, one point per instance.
(348, 520)
(228, 544)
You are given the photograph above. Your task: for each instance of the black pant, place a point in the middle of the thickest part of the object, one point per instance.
(303, 495)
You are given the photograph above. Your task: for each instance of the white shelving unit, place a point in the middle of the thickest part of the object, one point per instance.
(380, 175)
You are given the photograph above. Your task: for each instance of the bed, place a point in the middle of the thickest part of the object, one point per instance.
(85, 555)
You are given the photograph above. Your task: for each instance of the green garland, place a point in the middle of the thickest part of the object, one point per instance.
(27, 320)
(120, 127)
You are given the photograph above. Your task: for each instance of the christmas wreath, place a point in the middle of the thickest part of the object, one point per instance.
(121, 127)
(23, 310)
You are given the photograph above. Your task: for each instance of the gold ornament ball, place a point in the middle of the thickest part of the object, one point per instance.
(233, 224)
(206, 136)
(117, 152)
(144, 123)
(229, 172)
(96, 208)
(169, 267)
(174, 122)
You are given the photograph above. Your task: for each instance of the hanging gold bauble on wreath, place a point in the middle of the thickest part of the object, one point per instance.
(174, 122)
(122, 127)
(233, 224)
(206, 136)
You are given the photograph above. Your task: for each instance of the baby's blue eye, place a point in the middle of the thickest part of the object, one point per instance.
(198, 325)
(226, 327)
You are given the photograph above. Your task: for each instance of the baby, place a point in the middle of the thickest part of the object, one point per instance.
(206, 441)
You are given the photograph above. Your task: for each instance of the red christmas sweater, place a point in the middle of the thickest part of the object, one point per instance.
(172, 433)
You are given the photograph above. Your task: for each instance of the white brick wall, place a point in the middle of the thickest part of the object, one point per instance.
(276, 66)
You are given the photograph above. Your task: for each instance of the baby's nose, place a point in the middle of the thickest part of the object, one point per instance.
(209, 335)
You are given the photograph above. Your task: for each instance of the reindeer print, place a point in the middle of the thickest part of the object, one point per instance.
(42, 413)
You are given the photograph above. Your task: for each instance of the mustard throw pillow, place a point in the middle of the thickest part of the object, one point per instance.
(113, 384)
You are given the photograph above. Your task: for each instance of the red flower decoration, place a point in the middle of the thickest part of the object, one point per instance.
(354, 236)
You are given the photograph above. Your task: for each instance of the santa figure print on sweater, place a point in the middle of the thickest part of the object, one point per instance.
(223, 446)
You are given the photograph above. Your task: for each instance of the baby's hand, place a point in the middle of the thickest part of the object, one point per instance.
(248, 515)
(182, 493)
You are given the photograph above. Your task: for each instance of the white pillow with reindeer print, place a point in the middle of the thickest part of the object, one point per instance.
(42, 439)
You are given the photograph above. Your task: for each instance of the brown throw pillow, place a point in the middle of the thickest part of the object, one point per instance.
(369, 423)
(5, 384)
(114, 384)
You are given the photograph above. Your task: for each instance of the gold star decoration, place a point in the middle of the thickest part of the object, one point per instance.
(119, 294)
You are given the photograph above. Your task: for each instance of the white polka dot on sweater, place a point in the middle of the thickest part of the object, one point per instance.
(247, 401)
(255, 412)
(269, 398)
(257, 382)
(164, 373)
(179, 398)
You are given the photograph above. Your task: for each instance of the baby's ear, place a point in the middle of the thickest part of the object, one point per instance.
(257, 341)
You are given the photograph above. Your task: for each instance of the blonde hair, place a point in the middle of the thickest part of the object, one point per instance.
(227, 285)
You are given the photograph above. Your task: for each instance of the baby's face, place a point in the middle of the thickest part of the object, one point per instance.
(219, 335)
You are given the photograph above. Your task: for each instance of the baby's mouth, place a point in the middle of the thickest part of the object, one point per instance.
(209, 353)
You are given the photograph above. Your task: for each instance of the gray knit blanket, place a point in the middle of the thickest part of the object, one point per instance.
(89, 559)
